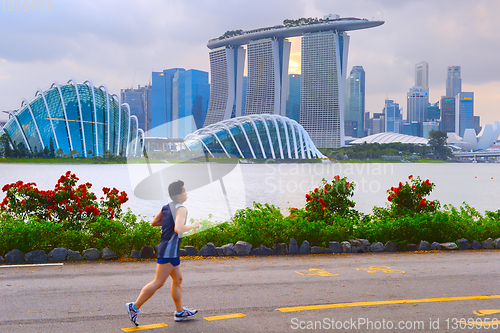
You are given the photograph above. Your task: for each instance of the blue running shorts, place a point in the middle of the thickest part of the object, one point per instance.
(173, 261)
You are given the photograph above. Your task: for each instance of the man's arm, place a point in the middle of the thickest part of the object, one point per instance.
(180, 219)
(157, 221)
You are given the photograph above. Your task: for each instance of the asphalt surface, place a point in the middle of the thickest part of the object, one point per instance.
(383, 292)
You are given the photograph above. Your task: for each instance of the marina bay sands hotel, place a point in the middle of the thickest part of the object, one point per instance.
(324, 67)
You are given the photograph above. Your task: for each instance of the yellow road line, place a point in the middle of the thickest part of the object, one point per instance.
(402, 301)
(143, 327)
(229, 316)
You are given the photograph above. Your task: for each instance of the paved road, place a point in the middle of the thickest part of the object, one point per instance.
(407, 292)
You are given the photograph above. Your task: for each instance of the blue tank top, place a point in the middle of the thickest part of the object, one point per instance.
(170, 240)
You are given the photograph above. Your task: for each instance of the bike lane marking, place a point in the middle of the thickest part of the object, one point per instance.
(402, 301)
(143, 327)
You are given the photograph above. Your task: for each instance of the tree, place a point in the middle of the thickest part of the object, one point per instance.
(437, 143)
(5, 145)
(59, 152)
(52, 152)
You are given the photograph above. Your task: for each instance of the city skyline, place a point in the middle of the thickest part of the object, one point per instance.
(158, 35)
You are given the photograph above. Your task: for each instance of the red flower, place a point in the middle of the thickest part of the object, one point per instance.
(336, 178)
(423, 203)
(410, 176)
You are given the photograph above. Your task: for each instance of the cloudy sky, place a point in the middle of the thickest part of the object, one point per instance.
(120, 42)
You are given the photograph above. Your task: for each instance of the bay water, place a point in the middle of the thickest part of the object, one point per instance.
(283, 185)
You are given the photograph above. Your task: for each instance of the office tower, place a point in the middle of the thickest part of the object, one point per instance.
(429, 126)
(476, 124)
(226, 86)
(417, 101)
(378, 123)
(324, 62)
(392, 114)
(355, 103)
(422, 75)
(453, 81)
(293, 101)
(176, 95)
(412, 128)
(433, 113)
(244, 95)
(267, 62)
(464, 111)
(139, 101)
(368, 121)
(447, 106)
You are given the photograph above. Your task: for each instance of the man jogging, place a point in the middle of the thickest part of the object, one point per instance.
(172, 220)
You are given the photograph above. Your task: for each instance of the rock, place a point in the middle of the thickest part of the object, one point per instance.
(377, 247)
(73, 256)
(256, 252)
(91, 254)
(14, 257)
(135, 254)
(219, 251)
(334, 247)
(435, 246)
(424, 246)
(366, 245)
(390, 247)
(327, 250)
(265, 250)
(488, 244)
(148, 252)
(242, 248)
(208, 250)
(497, 243)
(346, 247)
(228, 249)
(463, 244)
(476, 245)
(58, 255)
(356, 246)
(35, 257)
(449, 246)
(281, 249)
(190, 250)
(182, 253)
(412, 247)
(316, 250)
(2, 260)
(107, 254)
(293, 248)
(304, 248)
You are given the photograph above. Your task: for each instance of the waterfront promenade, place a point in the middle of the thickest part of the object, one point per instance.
(263, 294)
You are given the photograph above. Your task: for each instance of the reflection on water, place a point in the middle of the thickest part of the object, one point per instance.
(223, 190)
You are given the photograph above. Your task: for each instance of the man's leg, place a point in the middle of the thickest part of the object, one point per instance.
(162, 273)
(175, 290)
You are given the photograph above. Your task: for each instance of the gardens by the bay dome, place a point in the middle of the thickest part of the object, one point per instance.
(76, 117)
(260, 136)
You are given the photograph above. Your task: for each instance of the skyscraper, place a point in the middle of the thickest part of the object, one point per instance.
(464, 112)
(447, 106)
(226, 86)
(293, 101)
(267, 62)
(422, 75)
(417, 102)
(177, 94)
(139, 101)
(324, 66)
(453, 81)
(392, 114)
(355, 103)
